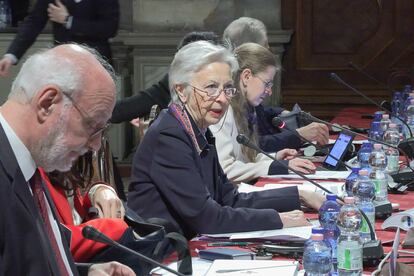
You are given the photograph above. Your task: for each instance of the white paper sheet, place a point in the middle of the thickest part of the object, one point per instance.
(255, 267)
(317, 175)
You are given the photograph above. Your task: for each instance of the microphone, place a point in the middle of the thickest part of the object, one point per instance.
(335, 77)
(372, 250)
(92, 233)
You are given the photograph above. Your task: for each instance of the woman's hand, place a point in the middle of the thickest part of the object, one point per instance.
(108, 203)
(302, 165)
(311, 199)
(293, 219)
(286, 154)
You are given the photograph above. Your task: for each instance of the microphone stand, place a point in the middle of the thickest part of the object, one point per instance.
(372, 250)
(335, 77)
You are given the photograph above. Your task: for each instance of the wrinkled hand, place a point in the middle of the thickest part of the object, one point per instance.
(302, 165)
(110, 269)
(315, 132)
(58, 12)
(108, 203)
(286, 154)
(293, 219)
(5, 64)
(311, 199)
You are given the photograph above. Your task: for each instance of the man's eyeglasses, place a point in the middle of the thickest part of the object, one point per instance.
(214, 92)
(87, 119)
(267, 84)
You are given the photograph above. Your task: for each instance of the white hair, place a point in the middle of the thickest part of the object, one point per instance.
(194, 57)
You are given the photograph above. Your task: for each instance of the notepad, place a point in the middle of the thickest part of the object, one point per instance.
(255, 267)
(225, 253)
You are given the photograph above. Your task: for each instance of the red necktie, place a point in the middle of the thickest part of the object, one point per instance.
(39, 197)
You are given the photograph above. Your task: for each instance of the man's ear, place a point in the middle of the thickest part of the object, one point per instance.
(245, 76)
(180, 90)
(46, 100)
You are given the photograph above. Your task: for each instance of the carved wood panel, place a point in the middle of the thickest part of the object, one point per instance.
(377, 35)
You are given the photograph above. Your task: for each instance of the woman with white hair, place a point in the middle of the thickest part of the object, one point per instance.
(176, 173)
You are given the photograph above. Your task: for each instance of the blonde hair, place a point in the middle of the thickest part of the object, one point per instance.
(256, 58)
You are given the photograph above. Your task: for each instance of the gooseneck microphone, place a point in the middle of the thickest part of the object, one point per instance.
(372, 250)
(279, 123)
(335, 77)
(92, 233)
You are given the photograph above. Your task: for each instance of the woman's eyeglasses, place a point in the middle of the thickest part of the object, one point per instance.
(267, 84)
(214, 92)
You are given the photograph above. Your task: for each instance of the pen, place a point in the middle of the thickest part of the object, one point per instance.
(228, 244)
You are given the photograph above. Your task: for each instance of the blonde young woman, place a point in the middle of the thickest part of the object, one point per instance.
(254, 81)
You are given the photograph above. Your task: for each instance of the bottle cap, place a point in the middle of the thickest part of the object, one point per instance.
(349, 200)
(363, 172)
(377, 146)
(331, 197)
(318, 230)
(317, 237)
(385, 116)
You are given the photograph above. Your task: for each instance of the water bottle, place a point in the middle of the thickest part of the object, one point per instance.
(378, 116)
(378, 175)
(375, 131)
(392, 136)
(328, 216)
(385, 122)
(3, 14)
(363, 155)
(351, 179)
(349, 242)
(364, 192)
(317, 257)
(315, 230)
(409, 117)
(396, 106)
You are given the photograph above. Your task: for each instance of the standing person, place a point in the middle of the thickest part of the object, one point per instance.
(254, 81)
(176, 174)
(271, 139)
(88, 22)
(51, 117)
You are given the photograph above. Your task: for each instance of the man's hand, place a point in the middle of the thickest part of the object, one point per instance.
(302, 165)
(286, 154)
(293, 219)
(315, 132)
(58, 12)
(110, 269)
(311, 199)
(108, 203)
(5, 64)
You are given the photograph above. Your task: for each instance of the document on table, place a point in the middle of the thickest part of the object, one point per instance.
(334, 187)
(256, 267)
(316, 175)
(200, 267)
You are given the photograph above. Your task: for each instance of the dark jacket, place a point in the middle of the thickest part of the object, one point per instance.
(271, 139)
(171, 180)
(24, 246)
(94, 22)
(140, 104)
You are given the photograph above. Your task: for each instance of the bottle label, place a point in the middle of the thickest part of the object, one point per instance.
(379, 186)
(349, 255)
(365, 228)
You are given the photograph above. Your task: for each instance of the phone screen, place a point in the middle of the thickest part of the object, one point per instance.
(338, 149)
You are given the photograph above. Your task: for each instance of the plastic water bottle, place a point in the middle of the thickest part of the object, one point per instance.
(364, 192)
(363, 154)
(409, 117)
(349, 242)
(396, 106)
(375, 131)
(3, 14)
(385, 122)
(317, 257)
(351, 180)
(328, 217)
(392, 136)
(378, 175)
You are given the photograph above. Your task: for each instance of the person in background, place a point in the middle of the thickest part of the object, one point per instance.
(254, 83)
(271, 139)
(176, 174)
(87, 22)
(139, 105)
(51, 117)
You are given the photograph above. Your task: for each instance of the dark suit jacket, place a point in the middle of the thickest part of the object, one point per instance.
(94, 22)
(270, 138)
(140, 104)
(171, 180)
(24, 245)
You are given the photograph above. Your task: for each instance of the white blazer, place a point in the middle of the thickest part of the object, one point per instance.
(231, 158)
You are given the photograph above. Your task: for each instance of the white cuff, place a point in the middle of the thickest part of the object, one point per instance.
(12, 57)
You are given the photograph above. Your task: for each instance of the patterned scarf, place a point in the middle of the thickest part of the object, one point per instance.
(181, 115)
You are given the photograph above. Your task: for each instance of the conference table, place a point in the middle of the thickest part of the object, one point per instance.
(349, 117)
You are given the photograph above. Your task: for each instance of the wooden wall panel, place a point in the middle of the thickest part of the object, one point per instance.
(377, 35)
